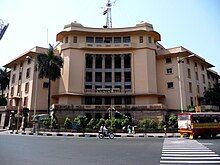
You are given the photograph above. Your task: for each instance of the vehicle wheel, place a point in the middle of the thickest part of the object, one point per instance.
(101, 136)
(111, 136)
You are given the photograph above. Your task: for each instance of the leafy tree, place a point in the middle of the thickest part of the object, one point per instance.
(101, 121)
(67, 123)
(47, 122)
(92, 124)
(212, 95)
(4, 80)
(82, 122)
(125, 122)
(172, 121)
(49, 66)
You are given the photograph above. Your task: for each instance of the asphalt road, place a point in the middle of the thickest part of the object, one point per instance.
(33, 150)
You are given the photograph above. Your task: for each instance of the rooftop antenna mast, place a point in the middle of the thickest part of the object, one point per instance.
(108, 14)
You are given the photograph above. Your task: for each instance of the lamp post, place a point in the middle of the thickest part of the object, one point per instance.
(110, 113)
(181, 60)
(35, 93)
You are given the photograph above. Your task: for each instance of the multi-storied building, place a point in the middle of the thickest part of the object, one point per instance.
(124, 68)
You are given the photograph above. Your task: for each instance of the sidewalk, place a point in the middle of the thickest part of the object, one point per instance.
(87, 134)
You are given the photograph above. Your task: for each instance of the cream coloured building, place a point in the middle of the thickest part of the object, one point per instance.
(125, 68)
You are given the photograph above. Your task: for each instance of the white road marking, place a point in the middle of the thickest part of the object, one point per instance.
(186, 151)
(189, 162)
(201, 155)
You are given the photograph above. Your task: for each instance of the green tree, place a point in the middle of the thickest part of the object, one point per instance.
(172, 121)
(82, 122)
(92, 124)
(4, 80)
(49, 66)
(67, 123)
(212, 95)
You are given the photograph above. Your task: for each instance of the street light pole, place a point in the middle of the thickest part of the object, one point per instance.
(36, 88)
(180, 83)
(181, 60)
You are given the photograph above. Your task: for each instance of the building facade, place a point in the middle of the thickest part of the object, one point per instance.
(125, 68)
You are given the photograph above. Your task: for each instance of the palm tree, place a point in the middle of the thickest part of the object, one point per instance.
(49, 66)
(4, 80)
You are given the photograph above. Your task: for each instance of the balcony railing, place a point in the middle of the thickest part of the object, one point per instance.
(98, 45)
(105, 107)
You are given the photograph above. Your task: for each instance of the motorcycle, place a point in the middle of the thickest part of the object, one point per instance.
(103, 135)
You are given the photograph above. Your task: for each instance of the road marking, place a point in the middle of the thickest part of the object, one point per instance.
(186, 151)
(189, 150)
(189, 162)
(191, 158)
(201, 155)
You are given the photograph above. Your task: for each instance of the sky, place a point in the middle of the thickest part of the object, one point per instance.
(193, 24)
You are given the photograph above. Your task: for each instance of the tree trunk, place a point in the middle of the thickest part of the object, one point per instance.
(48, 104)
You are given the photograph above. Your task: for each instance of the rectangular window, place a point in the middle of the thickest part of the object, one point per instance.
(170, 85)
(210, 86)
(89, 39)
(98, 39)
(203, 68)
(98, 76)
(74, 39)
(195, 64)
(141, 39)
(149, 39)
(15, 67)
(198, 89)
(126, 39)
(169, 70)
(45, 85)
(191, 101)
(108, 77)
(189, 73)
(168, 60)
(98, 100)
(117, 39)
(29, 60)
(127, 76)
(118, 100)
(88, 76)
(197, 76)
(12, 91)
(108, 40)
(203, 78)
(21, 64)
(66, 39)
(13, 78)
(190, 87)
(28, 73)
(26, 87)
(19, 90)
(187, 61)
(88, 86)
(117, 76)
(25, 101)
(88, 100)
(20, 74)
